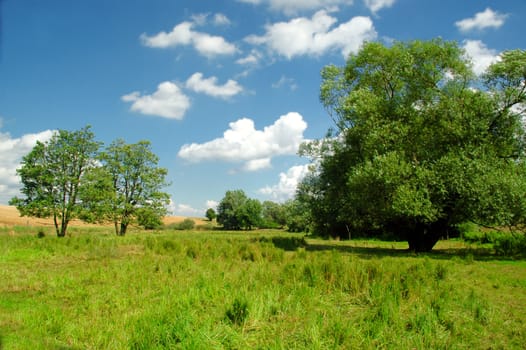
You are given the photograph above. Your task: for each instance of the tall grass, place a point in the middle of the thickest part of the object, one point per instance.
(210, 290)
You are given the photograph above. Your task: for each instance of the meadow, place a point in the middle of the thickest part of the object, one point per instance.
(259, 290)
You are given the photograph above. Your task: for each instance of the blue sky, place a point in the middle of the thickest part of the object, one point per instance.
(226, 91)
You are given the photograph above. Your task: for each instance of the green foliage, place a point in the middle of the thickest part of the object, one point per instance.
(149, 218)
(186, 224)
(52, 177)
(418, 150)
(508, 244)
(273, 215)
(236, 211)
(127, 187)
(297, 217)
(210, 214)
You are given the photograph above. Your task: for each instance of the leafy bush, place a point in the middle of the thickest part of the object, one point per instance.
(186, 224)
(510, 245)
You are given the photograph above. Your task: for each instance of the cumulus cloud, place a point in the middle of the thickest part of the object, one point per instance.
(481, 56)
(212, 204)
(255, 148)
(292, 7)
(315, 36)
(209, 86)
(482, 20)
(168, 102)
(377, 5)
(11, 152)
(181, 209)
(183, 34)
(288, 182)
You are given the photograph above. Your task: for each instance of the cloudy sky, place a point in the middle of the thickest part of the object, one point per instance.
(226, 90)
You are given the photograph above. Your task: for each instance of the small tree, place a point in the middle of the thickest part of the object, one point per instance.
(127, 187)
(211, 214)
(52, 177)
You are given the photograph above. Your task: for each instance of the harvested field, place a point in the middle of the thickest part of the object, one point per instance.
(9, 216)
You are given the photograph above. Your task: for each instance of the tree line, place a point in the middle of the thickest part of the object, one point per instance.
(236, 211)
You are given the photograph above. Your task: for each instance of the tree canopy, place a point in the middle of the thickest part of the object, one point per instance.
(421, 144)
(127, 187)
(67, 177)
(236, 211)
(52, 177)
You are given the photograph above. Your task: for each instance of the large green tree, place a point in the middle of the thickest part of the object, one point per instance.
(52, 177)
(127, 187)
(421, 144)
(236, 211)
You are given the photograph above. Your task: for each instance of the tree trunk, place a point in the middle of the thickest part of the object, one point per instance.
(124, 226)
(421, 243)
(424, 236)
(57, 230)
(63, 227)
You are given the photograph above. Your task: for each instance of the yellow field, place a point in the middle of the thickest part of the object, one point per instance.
(9, 216)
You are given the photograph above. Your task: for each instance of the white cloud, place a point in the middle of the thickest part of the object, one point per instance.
(284, 81)
(168, 102)
(481, 56)
(251, 59)
(11, 152)
(292, 7)
(183, 34)
(221, 20)
(315, 36)
(200, 19)
(212, 204)
(288, 182)
(482, 20)
(180, 209)
(243, 143)
(209, 86)
(257, 164)
(377, 5)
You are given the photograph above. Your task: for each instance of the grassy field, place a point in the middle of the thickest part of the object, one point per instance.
(260, 289)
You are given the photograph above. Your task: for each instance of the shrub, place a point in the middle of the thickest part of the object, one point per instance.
(40, 234)
(186, 224)
(510, 244)
(238, 312)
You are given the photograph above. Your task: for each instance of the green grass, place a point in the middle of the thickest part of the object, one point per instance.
(261, 289)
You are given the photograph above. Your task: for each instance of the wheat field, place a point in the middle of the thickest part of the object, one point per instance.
(9, 216)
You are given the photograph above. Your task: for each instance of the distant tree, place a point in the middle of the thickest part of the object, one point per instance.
(421, 144)
(127, 187)
(297, 216)
(273, 215)
(211, 214)
(52, 177)
(236, 211)
(250, 214)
